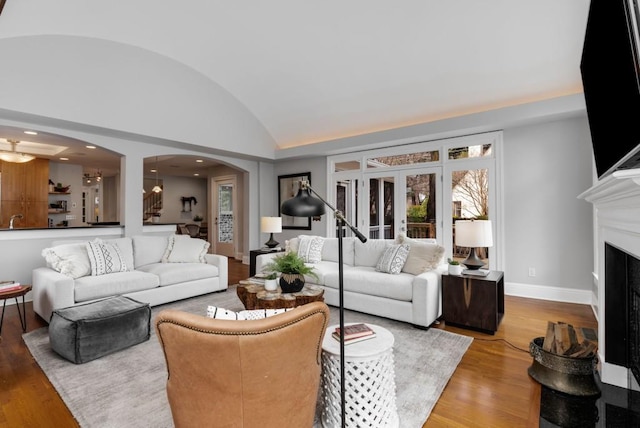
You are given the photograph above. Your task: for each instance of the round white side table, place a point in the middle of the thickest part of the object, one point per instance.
(370, 387)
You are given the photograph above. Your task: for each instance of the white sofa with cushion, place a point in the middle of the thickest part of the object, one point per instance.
(398, 279)
(150, 269)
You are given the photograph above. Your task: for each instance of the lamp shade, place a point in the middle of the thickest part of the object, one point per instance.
(474, 233)
(303, 205)
(271, 224)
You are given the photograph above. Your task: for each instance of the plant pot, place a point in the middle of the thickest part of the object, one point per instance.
(271, 284)
(455, 270)
(291, 282)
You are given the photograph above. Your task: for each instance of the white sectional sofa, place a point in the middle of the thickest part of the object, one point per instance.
(150, 269)
(413, 295)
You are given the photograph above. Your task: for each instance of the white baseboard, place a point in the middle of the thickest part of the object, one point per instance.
(543, 292)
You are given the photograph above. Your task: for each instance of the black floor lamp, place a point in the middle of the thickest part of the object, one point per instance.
(305, 205)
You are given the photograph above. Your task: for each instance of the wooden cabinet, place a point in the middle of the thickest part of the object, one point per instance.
(24, 190)
(473, 302)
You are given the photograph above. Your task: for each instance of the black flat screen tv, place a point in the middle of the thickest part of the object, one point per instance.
(609, 68)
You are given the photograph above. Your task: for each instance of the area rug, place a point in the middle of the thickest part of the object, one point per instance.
(127, 389)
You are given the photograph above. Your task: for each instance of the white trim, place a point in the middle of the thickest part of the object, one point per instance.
(543, 292)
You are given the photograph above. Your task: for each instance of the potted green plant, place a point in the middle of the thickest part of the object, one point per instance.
(455, 268)
(197, 219)
(271, 281)
(292, 269)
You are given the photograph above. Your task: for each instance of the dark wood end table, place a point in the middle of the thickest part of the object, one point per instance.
(24, 289)
(473, 302)
(254, 296)
(253, 254)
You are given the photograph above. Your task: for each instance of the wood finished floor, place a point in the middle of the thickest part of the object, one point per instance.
(490, 388)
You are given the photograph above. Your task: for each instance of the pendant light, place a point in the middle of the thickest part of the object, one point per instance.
(156, 188)
(13, 156)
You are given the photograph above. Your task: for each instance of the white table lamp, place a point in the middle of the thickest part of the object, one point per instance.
(473, 234)
(271, 225)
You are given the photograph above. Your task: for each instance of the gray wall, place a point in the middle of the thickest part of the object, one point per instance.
(547, 227)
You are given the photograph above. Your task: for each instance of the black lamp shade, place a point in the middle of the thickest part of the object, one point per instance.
(303, 205)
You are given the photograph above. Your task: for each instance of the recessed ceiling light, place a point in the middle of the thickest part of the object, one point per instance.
(90, 147)
(199, 160)
(31, 132)
(196, 174)
(153, 170)
(64, 158)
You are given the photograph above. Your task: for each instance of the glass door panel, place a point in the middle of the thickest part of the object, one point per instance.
(470, 200)
(381, 207)
(347, 202)
(421, 205)
(224, 222)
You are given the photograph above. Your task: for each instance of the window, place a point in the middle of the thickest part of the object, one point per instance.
(404, 159)
(420, 189)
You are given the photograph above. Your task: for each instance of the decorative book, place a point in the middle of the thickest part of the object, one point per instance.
(9, 286)
(354, 331)
(349, 341)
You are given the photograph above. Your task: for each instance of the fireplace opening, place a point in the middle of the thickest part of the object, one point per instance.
(622, 309)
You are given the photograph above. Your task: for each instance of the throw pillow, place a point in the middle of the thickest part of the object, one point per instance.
(423, 256)
(291, 245)
(68, 259)
(310, 248)
(185, 249)
(393, 259)
(105, 257)
(255, 314)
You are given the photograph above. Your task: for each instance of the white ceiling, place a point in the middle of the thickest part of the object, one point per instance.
(315, 71)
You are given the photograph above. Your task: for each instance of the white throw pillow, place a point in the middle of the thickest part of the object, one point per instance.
(393, 259)
(185, 249)
(105, 257)
(255, 314)
(68, 259)
(149, 249)
(310, 248)
(291, 245)
(423, 256)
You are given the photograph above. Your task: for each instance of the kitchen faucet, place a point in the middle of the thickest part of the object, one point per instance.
(13, 217)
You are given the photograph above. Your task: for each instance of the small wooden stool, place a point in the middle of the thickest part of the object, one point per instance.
(24, 289)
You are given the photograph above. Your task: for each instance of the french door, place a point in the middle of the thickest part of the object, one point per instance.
(404, 201)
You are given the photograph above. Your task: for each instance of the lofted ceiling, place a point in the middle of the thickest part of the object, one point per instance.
(317, 71)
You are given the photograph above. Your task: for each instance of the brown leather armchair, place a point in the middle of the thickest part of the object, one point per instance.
(258, 373)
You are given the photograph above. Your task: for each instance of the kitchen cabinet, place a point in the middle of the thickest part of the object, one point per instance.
(24, 190)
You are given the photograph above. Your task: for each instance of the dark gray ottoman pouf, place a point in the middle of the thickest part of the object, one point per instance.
(92, 330)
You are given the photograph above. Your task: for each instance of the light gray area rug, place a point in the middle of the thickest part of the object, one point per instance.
(127, 389)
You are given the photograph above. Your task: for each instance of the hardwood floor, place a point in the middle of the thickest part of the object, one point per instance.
(490, 388)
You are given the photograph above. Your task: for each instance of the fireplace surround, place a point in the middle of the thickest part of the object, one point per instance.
(616, 202)
(622, 317)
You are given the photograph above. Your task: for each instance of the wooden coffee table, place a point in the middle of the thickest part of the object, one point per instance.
(254, 296)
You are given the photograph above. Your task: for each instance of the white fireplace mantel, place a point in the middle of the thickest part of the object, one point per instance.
(619, 185)
(616, 200)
